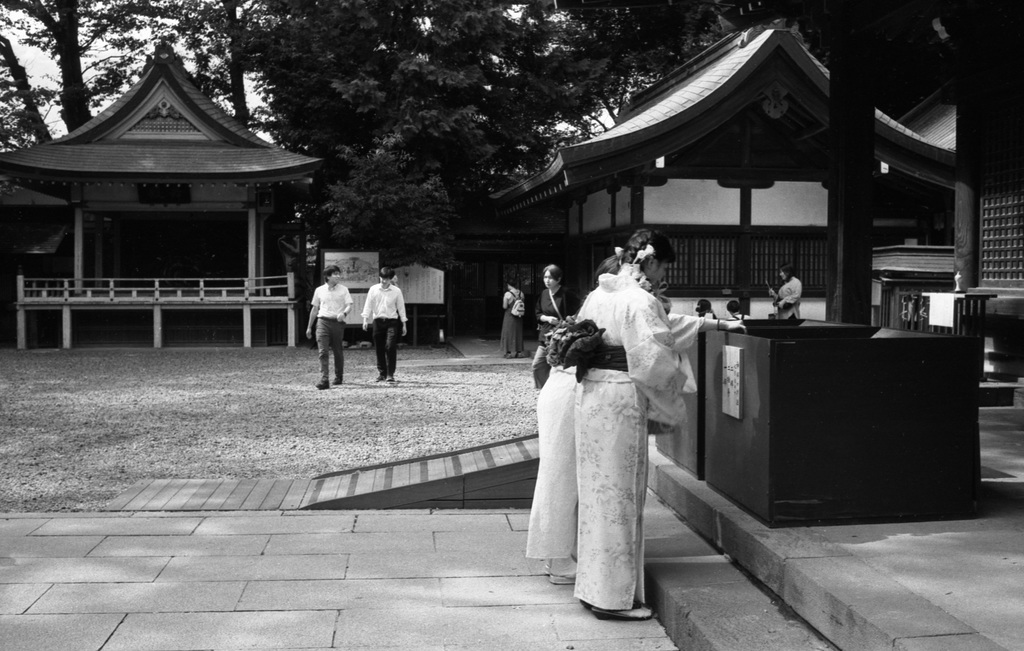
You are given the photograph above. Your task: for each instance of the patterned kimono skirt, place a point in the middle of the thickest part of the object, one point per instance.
(611, 454)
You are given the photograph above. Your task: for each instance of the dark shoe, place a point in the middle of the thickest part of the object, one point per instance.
(508, 355)
(337, 381)
(380, 378)
(322, 384)
(391, 379)
(637, 613)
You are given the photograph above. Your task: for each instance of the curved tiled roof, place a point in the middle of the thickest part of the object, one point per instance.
(156, 160)
(215, 144)
(666, 110)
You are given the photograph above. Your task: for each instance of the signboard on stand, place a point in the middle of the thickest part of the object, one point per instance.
(421, 284)
(359, 269)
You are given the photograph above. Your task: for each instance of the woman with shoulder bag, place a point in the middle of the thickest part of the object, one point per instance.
(512, 323)
(554, 304)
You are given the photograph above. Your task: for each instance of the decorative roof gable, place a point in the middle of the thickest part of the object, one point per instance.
(163, 129)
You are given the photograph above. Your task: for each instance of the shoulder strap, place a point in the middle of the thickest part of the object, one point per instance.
(554, 304)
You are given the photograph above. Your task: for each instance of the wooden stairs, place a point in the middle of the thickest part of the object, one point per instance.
(498, 475)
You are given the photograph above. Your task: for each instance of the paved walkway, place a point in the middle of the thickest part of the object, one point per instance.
(457, 580)
(283, 580)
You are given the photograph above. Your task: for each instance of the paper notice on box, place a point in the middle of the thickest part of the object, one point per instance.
(732, 381)
(940, 309)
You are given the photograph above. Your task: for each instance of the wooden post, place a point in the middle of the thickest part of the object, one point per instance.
(66, 326)
(20, 318)
(247, 326)
(97, 221)
(79, 263)
(851, 144)
(415, 327)
(292, 330)
(158, 326)
(969, 152)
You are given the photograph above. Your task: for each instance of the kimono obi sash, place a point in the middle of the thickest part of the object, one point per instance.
(612, 358)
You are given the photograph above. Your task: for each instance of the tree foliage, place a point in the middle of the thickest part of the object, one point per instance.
(448, 100)
(94, 44)
(384, 206)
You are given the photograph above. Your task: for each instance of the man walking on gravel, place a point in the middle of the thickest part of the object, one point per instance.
(385, 307)
(331, 304)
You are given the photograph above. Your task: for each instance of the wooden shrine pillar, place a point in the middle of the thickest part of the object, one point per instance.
(969, 151)
(851, 142)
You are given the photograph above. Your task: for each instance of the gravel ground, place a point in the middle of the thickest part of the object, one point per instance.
(77, 427)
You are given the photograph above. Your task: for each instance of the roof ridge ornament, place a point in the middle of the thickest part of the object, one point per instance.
(164, 53)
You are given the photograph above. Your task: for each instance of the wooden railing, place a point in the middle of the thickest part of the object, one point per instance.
(154, 295)
(266, 289)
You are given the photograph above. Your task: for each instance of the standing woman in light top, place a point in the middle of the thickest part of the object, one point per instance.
(511, 324)
(331, 304)
(385, 309)
(554, 304)
(787, 299)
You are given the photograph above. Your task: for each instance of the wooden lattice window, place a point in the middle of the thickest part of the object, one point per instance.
(1002, 198)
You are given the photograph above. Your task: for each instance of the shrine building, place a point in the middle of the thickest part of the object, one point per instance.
(162, 221)
(729, 156)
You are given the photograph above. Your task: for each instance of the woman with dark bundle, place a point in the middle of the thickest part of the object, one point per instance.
(554, 304)
(635, 374)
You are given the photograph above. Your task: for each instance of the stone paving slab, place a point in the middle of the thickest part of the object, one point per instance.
(16, 599)
(198, 631)
(453, 541)
(339, 543)
(441, 521)
(220, 526)
(89, 526)
(181, 546)
(20, 527)
(494, 562)
(255, 568)
(503, 591)
(56, 632)
(80, 570)
(69, 598)
(39, 547)
(382, 594)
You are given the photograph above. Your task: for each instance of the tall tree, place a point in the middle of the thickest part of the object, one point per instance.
(94, 43)
(214, 35)
(19, 127)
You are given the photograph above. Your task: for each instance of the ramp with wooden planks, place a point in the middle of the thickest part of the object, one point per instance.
(498, 475)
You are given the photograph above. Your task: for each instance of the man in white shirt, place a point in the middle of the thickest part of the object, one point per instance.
(331, 304)
(385, 308)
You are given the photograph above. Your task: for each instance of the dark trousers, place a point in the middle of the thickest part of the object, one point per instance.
(329, 335)
(385, 340)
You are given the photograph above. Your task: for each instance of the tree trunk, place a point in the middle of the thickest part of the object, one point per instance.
(21, 82)
(74, 96)
(235, 70)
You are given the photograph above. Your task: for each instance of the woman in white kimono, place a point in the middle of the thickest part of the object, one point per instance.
(553, 514)
(635, 376)
(552, 532)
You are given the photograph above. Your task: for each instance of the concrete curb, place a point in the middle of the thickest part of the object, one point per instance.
(854, 606)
